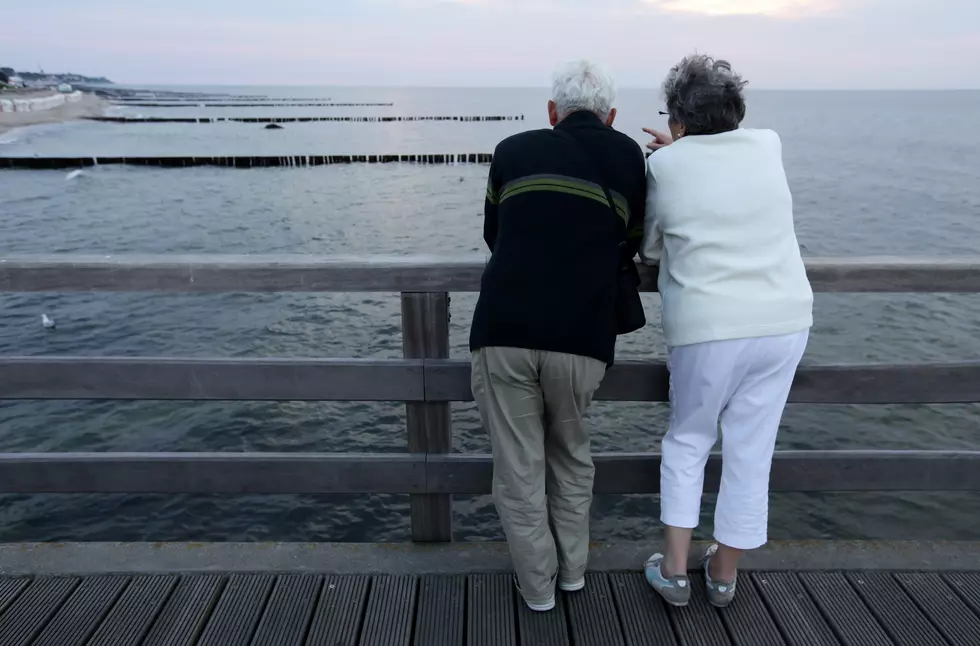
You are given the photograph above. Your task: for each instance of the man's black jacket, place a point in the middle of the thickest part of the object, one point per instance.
(551, 280)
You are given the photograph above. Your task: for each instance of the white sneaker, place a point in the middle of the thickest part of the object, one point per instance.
(572, 586)
(536, 607)
(541, 607)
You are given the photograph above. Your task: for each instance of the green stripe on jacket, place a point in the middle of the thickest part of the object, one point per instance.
(560, 184)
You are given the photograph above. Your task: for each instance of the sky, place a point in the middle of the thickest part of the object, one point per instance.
(777, 44)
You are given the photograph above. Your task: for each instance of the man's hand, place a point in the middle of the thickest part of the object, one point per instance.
(660, 139)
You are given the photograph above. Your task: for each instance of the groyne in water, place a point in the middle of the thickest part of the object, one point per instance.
(297, 119)
(320, 104)
(40, 163)
(215, 98)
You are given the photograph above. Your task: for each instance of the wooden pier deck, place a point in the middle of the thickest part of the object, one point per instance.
(615, 609)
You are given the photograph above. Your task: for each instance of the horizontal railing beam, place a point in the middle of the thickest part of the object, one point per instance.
(294, 273)
(792, 471)
(212, 473)
(931, 383)
(235, 274)
(430, 380)
(417, 473)
(211, 379)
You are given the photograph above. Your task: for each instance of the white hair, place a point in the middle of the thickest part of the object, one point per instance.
(583, 86)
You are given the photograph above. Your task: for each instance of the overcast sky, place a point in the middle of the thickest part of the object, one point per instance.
(778, 44)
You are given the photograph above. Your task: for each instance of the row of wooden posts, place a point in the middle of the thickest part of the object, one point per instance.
(247, 161)
(299, 119)
(184, 98)
(191, 104)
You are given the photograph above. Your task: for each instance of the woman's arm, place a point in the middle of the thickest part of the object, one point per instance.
(653, 239)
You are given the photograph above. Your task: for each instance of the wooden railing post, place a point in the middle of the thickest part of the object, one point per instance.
(425, 335)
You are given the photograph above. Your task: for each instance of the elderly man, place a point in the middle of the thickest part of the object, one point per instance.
(564, 211)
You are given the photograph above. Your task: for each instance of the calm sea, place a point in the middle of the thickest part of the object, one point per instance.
(872, 173)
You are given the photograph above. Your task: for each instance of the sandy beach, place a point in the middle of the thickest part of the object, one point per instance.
(89, 106)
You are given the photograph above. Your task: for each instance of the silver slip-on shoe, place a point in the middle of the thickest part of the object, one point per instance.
(675, 590)
(720, 593)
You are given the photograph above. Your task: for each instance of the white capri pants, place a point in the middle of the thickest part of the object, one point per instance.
(744, 385)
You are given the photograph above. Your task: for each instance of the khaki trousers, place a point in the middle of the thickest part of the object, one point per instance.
(532, 403)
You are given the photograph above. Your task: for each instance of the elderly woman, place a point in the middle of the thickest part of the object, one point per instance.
(737, 309)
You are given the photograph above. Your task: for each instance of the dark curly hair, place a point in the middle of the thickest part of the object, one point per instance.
(705, 95)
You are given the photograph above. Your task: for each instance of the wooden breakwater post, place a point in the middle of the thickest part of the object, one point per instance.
(241, 161)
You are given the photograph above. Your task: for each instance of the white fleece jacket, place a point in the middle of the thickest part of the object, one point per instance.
(719, 221)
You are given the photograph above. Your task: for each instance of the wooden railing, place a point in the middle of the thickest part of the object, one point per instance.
(427, 380)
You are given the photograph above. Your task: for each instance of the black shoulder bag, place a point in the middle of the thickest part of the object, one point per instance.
(630, 316)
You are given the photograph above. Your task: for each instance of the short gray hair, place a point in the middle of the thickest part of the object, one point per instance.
(583, 86)
(704, 95)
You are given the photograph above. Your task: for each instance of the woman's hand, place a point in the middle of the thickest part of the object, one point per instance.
(660, 139)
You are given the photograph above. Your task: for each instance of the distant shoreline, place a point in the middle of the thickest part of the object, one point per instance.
(89, 106)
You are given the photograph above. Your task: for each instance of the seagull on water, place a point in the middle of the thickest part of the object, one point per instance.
(47, 323)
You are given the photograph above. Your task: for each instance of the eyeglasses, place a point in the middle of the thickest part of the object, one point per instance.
(664, 114)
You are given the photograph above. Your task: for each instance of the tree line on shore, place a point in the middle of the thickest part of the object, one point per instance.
(6, 73)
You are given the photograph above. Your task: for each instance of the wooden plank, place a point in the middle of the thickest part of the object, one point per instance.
(698, 624)
(30, 612)
(186, 612)
(439, 621)
(337, 620)
(747, 619)
(83, 611)
(186, 379)
(923, 383)
(289, 611)
(797, 616)
(542, 628)
(932, 383)
(967, 586)
(307, 273)
(847, 615)
(592, 614)
(792, 471)
(390, 611)
(238, 610)
(425, 334)
(396, 473)
(490, 610)
(215, 473)
(894, 274)
(130, 619)
(642, 611)
(944, 608)
(226, 273)
(895, 610)
(10, 588)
